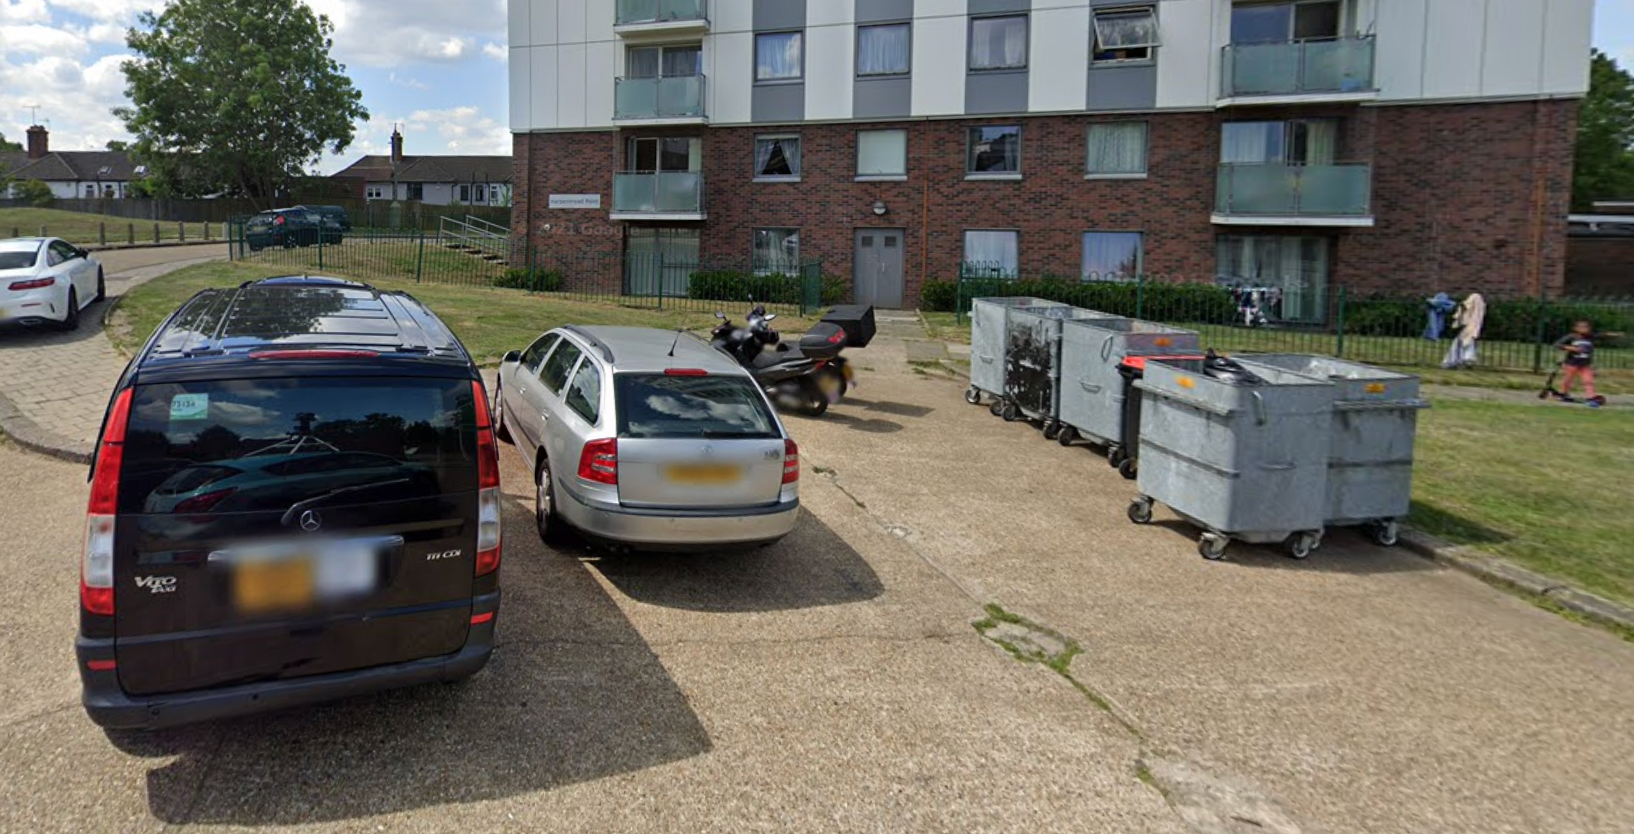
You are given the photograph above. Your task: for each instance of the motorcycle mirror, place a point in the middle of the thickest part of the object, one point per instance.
(720, 315)
(770, 316)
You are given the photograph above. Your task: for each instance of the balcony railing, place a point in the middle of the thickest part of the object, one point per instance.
(667, 193)
(645, 12)
(1341, 192)
(680, 98)
(1301, 68)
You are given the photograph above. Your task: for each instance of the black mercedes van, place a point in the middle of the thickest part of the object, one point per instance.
(294, 498)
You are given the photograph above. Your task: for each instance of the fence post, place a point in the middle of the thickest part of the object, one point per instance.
(320, 246)
(1140, 296)
(206, 230)
(1542, 334)
(156, 238)
(658, 285)
(130, 233)
(533, 267)
(102, 233)
(181, 232)
(420, 262)
(1339, 346)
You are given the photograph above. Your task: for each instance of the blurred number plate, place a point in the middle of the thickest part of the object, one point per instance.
(259, 587)
(704, 474)
(285, 580)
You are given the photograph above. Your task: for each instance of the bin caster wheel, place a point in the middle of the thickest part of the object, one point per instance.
(1011, 412)
(1052, 430)
(1128, 468)
(1140, 511)
(1212, 546)
(995, 408)
(973, 396)
(1385, 533)
(1304, 545)
(1115, 456)
(1066, 436)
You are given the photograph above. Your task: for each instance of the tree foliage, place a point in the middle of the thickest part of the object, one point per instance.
(8, 145)
(235, 96)
(1605, 136)
(117, 145)
(34, 192)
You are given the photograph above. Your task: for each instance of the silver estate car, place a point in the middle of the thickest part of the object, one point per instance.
(648, 440)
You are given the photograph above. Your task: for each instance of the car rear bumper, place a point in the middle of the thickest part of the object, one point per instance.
(109, 706)
(678, 529)
(31, 307)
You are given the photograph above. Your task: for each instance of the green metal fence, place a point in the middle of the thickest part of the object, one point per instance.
(1518, 333)
(477, 255)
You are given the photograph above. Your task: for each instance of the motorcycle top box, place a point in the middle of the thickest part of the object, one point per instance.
(858, 321)
(825, 340)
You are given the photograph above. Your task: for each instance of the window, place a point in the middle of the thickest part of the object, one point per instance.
(1285, 22)
(416, 191)
(664, 61)
(63, 252)
(998, 43)
(884, 49)
(538, 350)
(778, 57)
(647, 154)
(584, 395)
(777, 157)
(777, 251)
(991, 253)
(1125, 35)
(1112, 256)
(1299, 142)
(652, 406)
(882, 153)
(481, 193)
(465, 194)
(554, 373)
(1286, 275)
(1117, 149)
(994, 151)
(372, 192)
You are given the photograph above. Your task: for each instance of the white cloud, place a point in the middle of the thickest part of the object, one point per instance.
(496, 51)
(383, 33)
(40, 39)
(462, 130)
(405, 81)
(24, 11)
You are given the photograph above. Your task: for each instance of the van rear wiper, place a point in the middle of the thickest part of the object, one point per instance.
(298, 507)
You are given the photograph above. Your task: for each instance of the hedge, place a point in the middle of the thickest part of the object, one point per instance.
(549, 280)
(777, 288)
(1154, 301)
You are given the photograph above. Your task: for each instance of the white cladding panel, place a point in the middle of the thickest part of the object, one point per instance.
(1190, 35)
(1058, 61)
(939, 63)
(729, 62)
(830, 69)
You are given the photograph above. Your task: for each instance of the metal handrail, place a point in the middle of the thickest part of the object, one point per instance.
(488, 225)
(470, 235)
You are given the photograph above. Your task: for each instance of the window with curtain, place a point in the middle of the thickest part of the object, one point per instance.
(992, 252)
(883, 49)
(998, 43)
(882, 153)
(1117, 148)
(1295, 267)
(666, 61)
(777, 157)
(777, 56)
(994, 150)
(777, 251)
(1125, 34)
(1300, 142)
(1112, 256)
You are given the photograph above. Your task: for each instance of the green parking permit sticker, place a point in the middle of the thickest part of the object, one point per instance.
(189, 406)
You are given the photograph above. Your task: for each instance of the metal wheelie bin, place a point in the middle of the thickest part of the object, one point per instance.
(1092, 386)
(1239, 450)
(987, 340)
(1032, 363)
(1370, 457)
(1125, 456)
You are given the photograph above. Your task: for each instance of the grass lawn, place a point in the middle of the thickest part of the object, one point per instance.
(81, 228)
(489, 321)
(1546, 486)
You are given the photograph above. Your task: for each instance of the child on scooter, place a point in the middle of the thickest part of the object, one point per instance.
(1579, 361)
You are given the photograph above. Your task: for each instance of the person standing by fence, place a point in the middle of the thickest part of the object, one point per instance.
(1579, 361)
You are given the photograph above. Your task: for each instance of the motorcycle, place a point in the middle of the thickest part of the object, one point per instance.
(805, 378)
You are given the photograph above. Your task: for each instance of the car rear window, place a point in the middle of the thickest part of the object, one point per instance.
(18, 258)
(656, 406)
(265, 445)
(260, 221)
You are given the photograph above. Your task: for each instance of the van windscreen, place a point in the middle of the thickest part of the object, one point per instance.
(659, 405)
(268, 444)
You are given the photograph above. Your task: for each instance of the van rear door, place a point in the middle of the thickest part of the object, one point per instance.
(275, 528)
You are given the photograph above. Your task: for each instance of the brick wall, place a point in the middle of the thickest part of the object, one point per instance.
(1465, 196)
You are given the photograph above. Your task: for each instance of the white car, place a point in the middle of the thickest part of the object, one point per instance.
(47, 280)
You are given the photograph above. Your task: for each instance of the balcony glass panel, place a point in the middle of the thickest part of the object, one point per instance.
(668, 192)
(1343, 65)
(659, 98)
(658, 11)
(1284, 190)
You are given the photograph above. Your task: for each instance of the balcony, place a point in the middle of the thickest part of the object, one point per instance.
(664, 195)
(660, 18)
(659, 101)
(1336, 70)
(1282, 194)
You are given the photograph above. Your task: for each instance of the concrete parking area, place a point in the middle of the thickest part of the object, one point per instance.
(834, 682)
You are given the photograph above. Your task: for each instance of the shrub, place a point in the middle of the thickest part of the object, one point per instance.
(1154, 301)
(835, 290)
(549, 280)
(938, 296)
(1386, 317)
(35, 193)
(727, 285)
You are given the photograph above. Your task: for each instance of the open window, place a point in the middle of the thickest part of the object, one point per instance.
(1125, 34)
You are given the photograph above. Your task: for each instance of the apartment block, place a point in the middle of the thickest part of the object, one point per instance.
(1385, 146)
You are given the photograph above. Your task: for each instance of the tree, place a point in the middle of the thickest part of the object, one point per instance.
(35, 193)
(1605, 136)
(235, 96)
(117, 145)
(8, 145)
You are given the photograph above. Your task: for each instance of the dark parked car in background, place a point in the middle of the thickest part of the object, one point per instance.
(285, 228)
(336, 222)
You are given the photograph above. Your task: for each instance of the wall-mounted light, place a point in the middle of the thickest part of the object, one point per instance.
(880, 209)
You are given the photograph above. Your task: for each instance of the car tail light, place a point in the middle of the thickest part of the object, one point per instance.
(96, 565)
(278, 221)
(33, 285)
(685, 372)
(204, 503)
(488, 533)
(599, 461)
(485, 617)
(791, 462)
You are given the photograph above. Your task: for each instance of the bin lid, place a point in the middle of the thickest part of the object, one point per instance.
(1139, 362)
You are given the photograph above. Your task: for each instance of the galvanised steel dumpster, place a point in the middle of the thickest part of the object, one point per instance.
(987, 339)
(1092, 389)
(1243, 457)
(1370, 456)
(1032, 362)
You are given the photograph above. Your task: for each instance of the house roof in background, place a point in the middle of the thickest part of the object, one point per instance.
(439, 169)
(61, 166)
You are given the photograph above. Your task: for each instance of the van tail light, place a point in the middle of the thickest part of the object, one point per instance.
(278, 221)
(791, 462)
(488, 534)
(599, 461)
(35, 284)
(96, 565)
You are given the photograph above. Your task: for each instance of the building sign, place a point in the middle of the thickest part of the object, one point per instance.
(575, 201)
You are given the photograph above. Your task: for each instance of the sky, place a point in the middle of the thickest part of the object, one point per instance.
(435, 66)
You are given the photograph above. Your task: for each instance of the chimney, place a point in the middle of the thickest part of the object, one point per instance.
(39, 142)
(396, 147)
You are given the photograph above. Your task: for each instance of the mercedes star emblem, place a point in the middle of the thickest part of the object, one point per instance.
(311, 521)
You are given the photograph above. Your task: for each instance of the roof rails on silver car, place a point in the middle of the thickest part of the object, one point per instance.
(606, 352)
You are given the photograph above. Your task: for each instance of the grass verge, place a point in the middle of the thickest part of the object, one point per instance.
(1543, 486)
(489, 321)
(85, 229)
